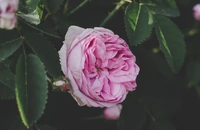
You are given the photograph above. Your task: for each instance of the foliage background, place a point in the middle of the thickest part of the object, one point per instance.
(163, 100)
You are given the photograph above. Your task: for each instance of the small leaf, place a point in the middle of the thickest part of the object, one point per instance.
(171, 42)
(164, 7)
(53, 5)
(32, 17)
(32, 5)
(40, 9)
(45, 52)
(31, 88)
(138, 22)
(9, 47)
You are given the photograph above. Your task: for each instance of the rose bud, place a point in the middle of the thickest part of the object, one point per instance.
(61, 84)
(8, 18)
(100, 66)
(113, 113)
(196, 12)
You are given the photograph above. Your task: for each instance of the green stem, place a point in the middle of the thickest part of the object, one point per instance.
(78, 7)
(118, 6)
(65, 6)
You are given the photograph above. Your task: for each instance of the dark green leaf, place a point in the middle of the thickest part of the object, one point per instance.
(164, 7)
(171, 42)
(138, 22)
(45, 52)
(53, 5)
(31, 88)
(9, 47)
(32, 5)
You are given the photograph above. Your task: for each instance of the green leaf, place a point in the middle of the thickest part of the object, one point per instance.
(32, 5)
(40, 9)
(32, 17)
(45, 52)
(193, 72)
(9, 47)
(45, 127)
(164, 7)
(138, 22)
(31, 88)
(53, 5)
(171, 42)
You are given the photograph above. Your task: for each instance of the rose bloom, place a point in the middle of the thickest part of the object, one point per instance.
(100, 66)
(196, 10)
(8, 9)
(113, 113)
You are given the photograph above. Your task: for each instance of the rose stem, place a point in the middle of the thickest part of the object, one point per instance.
(78, 7)
(117, 7)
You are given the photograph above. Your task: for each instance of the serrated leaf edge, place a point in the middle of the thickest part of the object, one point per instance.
(138, 17)
(23, 117)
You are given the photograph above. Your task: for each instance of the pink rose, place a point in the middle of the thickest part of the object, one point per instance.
(113, 113)
(100, 66)
(8, 9)
(196, 10)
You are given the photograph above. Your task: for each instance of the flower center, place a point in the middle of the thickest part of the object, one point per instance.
(98, 69)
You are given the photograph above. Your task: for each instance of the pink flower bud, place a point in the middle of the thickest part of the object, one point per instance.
(62, 84)
(196, 10)
(113, 113)
(64, 88)
(59, 83)
(8, 9)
